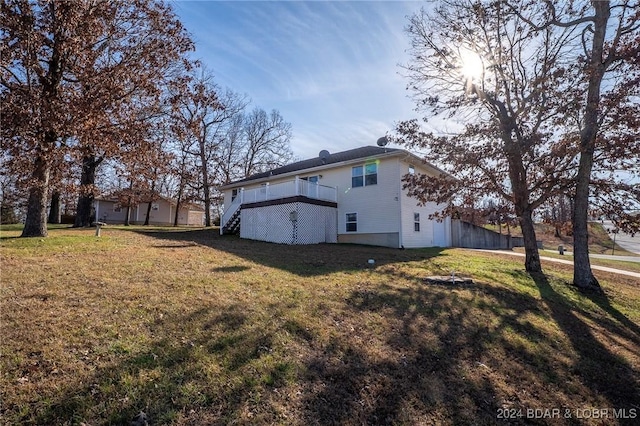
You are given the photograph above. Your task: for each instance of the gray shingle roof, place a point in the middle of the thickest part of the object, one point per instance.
(338, 157)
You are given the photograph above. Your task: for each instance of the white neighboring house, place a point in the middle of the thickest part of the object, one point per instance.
(353, 196)
(163, 211)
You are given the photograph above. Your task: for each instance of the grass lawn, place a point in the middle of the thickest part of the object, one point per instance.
(193, 328)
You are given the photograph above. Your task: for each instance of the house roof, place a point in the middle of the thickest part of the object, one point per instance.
(365, 152)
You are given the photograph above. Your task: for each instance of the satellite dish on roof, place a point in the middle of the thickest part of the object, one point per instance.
(324, 156)
(383, 141)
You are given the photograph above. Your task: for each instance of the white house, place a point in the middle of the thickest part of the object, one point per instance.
(353, 196)
(162, 212)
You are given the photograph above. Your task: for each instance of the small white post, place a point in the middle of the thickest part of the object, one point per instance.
(297, 185)
(266, 191)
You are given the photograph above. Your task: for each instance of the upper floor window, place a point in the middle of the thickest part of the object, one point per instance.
(364, 175)
(416, 222)
(313, 179)
(412, 170)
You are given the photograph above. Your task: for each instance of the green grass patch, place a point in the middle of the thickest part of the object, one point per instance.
(194, 328)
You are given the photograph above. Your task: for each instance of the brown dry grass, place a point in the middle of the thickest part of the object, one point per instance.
(194, 328)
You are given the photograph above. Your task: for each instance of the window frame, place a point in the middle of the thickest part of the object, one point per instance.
(351, 221)
(360, 177)
(416, 222)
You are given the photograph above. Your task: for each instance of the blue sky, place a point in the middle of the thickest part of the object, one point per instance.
(330, 68)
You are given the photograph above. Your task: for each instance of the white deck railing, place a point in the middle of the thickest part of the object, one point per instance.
(276, 191)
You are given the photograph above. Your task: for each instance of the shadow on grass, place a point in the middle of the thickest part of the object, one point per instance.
(214, 377)
(461, 361)
(598, 367)
(416, 354)
(302, 260)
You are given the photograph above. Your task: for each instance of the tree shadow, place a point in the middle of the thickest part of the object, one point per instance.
(459, 360)
(603, 371)
(303, 260)
(210, 377)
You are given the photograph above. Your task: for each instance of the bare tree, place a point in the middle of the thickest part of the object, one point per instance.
(268, 139)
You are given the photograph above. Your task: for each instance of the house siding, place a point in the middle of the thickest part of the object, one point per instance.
(385, 212)
(432, 233)
(105, 212)
(164, 215)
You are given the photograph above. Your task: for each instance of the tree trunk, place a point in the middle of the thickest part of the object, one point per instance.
(532, 256)
(127, 220)
(205, 186)
(35, 224)
(54, 209)
(85, 200)
(582, 275)
(175, 218)
(151, 200)
(146, 219)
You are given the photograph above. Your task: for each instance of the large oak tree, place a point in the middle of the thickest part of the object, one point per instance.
(479, 65)
(603, 110)
(77, 80)
(521, 79)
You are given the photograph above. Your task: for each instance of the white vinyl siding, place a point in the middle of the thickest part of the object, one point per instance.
(411, 211)
(383, 208)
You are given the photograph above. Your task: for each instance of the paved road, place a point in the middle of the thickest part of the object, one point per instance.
(626, 241)
(603, 256)
(567, 262)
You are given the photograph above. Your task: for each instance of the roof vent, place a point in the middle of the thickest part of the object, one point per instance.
(324, 156)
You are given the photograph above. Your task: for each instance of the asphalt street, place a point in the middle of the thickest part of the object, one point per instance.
(626, 241)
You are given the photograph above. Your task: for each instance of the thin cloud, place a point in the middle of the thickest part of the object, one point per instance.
(330, 68)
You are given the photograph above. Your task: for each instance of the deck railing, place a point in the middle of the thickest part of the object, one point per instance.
(280, 190)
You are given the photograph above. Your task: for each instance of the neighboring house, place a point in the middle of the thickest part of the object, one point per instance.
(162, 212)
(354, 196)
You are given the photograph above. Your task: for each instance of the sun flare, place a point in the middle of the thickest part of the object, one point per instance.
(472, 66)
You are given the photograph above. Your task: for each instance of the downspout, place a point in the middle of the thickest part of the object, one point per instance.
(400, 240)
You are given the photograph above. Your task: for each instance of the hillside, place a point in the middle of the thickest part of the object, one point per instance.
(599, 241)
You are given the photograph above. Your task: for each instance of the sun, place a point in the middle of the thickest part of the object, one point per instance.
(472, 67)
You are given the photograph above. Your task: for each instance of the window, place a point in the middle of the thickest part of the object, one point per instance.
(416, 222)
(155, 206)
(412, 170)
(371, 174)
(352, 222)
(356, 177)
(364, 175)
(117, 208)
(313, 179)
(234, 194)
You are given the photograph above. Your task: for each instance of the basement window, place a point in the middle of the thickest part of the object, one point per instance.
(352, 222)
